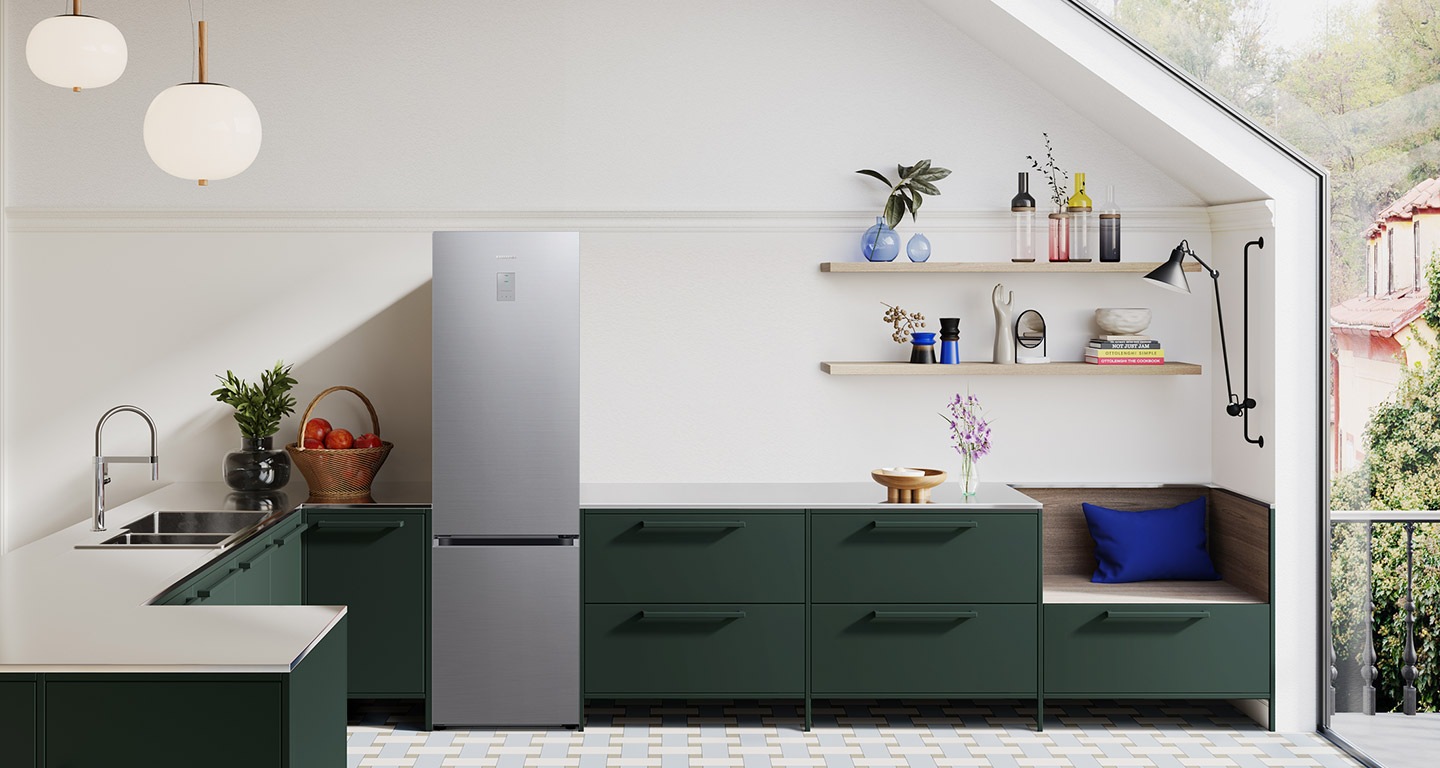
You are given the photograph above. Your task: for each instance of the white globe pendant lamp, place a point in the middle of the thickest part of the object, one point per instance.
(202, 130)
(76, 51)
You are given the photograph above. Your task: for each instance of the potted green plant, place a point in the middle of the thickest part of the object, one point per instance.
(258, 466)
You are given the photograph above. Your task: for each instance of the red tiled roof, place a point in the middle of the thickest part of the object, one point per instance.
(1383, 315)
(1422, 196)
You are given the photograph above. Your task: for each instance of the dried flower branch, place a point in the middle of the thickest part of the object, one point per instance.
(906, 323)
(1059, 179)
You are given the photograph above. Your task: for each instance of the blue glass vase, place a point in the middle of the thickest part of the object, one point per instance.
(918, 249)
(880, 243)
(922, 349)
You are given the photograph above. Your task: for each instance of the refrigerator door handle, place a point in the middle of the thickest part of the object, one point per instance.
(506, 541)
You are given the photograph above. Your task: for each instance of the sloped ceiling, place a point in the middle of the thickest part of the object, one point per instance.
(1069, 76)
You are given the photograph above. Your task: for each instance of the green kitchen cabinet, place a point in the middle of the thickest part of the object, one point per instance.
(218, 586)
(741, 650)
(19, 723)
(121, 720)
(287, 563)
(947, 650)
(376, 562)
(252, 581)
(695, 557)
(894, 556)
(1129, 649)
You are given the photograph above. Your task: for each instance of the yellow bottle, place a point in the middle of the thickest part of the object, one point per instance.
(1082, 224)
(1079, 201)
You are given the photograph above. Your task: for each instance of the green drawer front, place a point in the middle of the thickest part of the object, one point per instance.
(375, 563)
(19, 734)
(1154, 649)
(924, 557)
(698, 556)
(909, 649)
(744, 650)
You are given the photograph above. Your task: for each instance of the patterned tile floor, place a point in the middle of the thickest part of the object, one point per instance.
(748, 734)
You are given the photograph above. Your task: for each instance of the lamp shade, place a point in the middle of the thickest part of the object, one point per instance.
(202, 131)
(1171, 274)
(76, 52)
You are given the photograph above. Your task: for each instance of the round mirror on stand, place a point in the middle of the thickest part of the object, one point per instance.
(1030, 334)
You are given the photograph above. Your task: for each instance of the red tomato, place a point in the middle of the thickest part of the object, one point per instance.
(368, 440)
(317, 429)
(311, 443)
(339, 439)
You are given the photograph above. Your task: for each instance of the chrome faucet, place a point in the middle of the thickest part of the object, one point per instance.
(103, 462)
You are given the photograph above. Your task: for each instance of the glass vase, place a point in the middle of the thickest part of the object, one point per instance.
(969, 476)
(1059, 236)
(257, 466)
(880, 243)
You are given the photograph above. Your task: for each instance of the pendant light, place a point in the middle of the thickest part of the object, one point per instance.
(76, 51)
(202, 130)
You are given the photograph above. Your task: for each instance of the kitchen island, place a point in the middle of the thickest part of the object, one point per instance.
(94, 673)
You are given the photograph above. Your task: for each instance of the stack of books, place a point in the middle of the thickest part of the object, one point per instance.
(1124, 350)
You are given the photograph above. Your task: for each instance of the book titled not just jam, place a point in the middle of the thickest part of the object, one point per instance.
(1124, 344)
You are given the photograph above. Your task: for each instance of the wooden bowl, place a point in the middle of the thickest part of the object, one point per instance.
(909, 490)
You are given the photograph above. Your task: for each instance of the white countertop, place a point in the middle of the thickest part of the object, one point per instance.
(85, 610)
(790, 496)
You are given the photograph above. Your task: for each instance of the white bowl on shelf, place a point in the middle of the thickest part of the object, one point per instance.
(1122, 321)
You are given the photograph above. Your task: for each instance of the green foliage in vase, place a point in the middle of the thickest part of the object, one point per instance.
(258, 407)
(908, 192)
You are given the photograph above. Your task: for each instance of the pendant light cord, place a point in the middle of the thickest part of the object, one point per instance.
(194, 63)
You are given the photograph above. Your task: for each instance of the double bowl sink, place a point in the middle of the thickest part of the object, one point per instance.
(170, 529)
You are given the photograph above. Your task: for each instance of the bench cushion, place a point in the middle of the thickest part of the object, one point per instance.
(1150, 545)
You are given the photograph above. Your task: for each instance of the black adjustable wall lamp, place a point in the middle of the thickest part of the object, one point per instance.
(1171, 275)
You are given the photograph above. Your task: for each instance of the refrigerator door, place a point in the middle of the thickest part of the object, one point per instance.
(505, 645)
(506, 383)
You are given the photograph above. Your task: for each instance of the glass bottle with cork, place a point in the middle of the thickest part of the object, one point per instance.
(1110, 227)
(1022, 211)
(1082, 222)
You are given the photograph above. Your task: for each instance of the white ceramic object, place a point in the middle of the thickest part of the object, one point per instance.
(1122, 321)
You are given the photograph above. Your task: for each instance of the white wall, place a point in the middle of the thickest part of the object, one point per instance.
(702, 332)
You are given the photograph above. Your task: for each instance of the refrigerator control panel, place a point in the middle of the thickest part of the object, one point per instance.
(504, 286)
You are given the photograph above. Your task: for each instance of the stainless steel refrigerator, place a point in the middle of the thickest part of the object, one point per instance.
(505, 576)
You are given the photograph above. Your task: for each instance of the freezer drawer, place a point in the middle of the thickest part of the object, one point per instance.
(505, 635)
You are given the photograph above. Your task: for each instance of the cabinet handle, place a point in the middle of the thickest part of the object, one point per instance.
(923, 615)
(675, 525)
(683, 615)
(926, 525)
(301, 528)
(359, 525)
(245, 566)
(202, 594)
(1157, 615)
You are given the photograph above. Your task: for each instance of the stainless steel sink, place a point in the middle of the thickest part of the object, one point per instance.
(228, 521)
(166, 540)
(193, 529)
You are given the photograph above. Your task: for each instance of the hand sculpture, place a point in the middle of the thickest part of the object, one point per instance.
(1004, 337)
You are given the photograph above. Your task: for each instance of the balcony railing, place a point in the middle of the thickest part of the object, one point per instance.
(1356, 631)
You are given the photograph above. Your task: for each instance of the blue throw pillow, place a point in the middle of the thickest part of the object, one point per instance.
(1151, 545)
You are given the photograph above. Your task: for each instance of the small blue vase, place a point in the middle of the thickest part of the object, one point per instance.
(918, 249)
(922, 348)
(880, 243)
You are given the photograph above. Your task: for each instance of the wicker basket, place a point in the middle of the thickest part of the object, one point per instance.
(339, 474)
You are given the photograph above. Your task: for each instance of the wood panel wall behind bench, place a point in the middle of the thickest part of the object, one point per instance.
(1239, 531)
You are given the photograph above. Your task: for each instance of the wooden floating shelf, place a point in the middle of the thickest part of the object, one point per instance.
(1021, 369)
(981, 267)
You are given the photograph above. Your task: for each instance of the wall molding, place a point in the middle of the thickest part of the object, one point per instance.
(75, 220)
(1242, 217)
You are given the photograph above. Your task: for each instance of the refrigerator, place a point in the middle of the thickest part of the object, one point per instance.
(505, 565)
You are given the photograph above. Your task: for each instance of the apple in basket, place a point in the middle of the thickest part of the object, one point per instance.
(316, 429)
(368, 440)
(339, 439)
(311, 444)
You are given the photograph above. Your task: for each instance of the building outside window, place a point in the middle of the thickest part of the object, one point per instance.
(1355, 86)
